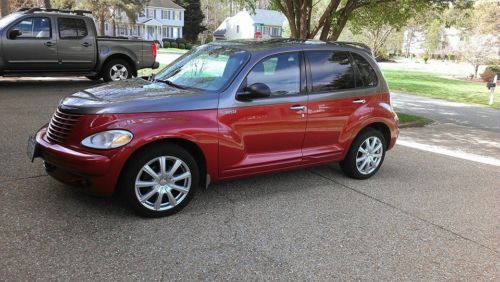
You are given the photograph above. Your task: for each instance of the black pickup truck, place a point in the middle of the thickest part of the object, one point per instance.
(41, 42)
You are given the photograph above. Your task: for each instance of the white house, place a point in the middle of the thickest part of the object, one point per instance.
(246, 24)
(160, 19)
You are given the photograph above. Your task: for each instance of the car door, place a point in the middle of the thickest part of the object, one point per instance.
(76, 46)
(333, 98)
(265, 134)
(35, 49)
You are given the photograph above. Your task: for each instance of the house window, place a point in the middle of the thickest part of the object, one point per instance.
(275, 31)
(168, 15)
(157, 14)
(173, 15)
(265, 30)
(181, 15)
(106, 27)
(147, 13)
(237, 29)
(139, 31)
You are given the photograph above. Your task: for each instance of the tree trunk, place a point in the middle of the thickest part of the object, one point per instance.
(46, 4)
(114, 28)
(101, 26)
(476, 69)
(4, 7)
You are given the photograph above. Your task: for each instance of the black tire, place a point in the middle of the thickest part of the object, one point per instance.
(349, 166)
(107, 70)
(93, 77)
(131, 173)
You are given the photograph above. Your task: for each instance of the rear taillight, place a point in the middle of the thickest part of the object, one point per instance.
(153, 49)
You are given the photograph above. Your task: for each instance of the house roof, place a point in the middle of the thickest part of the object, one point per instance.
(221, 30)
(165, 4)
(267, 17)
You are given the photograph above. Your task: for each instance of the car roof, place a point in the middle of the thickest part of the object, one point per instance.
(258, 45)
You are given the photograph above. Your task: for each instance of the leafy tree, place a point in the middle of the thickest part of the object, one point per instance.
(306, 20)
(193, 19)
(433, 37)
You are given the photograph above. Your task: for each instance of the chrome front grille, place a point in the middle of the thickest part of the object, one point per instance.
(60, 126)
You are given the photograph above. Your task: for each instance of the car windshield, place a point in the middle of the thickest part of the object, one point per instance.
(8, 19)
(208, 67)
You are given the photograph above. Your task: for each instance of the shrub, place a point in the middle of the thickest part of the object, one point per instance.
(174, 44)
(189, 46)
(426, 58)
(181, 40)
(166, 44)
(489, 73)
(182, 46)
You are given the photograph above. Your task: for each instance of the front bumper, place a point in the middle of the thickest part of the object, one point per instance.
(92, 173)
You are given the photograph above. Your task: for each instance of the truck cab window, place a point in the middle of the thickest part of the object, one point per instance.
(36, 27)
(70, 28)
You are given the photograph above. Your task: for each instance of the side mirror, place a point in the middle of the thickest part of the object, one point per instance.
(14, 33)
(254, 91)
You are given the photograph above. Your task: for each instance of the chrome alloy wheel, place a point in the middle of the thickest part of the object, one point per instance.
(118, 72)
(163, 183)
(369, 155)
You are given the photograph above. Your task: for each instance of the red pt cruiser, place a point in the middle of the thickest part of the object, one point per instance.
(222, 111)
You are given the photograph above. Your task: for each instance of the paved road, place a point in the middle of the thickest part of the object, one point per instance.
(448, 112)
(424, 216)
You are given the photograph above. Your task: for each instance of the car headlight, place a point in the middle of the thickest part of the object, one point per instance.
(108, 139)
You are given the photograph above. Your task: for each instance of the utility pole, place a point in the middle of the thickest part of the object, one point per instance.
(4, 8)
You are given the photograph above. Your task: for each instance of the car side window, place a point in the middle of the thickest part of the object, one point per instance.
(281, 73)
(36, 27)
(70, 28)
(367, 75)
(330, 70)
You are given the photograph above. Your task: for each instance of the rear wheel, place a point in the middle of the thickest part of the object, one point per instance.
(366, 155)
(117, 69)
(160, 181)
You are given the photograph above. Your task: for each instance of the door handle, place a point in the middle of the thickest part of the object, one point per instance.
(86, 44)
(359, 101)
(49, 44)
(298, 108)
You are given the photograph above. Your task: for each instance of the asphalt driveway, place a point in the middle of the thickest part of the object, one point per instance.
(424, 216)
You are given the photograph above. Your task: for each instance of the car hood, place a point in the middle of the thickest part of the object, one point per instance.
(136, 96)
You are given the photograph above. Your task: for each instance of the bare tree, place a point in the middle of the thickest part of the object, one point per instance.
(480, 50)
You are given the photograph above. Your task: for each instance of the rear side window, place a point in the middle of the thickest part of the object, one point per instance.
(280, 72)
(330, 70)
(70, 28)
(367, 75)
(34, 28)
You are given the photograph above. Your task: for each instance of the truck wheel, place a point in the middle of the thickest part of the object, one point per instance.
(117, 69)
(365, 156)
(160, 181)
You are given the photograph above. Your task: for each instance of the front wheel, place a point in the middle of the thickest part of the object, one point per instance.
(366, 155)
(161, 180)
(117, 69)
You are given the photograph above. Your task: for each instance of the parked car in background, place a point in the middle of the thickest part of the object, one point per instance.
(224, 110)
(39, 42)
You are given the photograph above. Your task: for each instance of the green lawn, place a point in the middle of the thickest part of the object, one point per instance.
(146, 72)
(173, 50)
(406, 119)
(435, 86)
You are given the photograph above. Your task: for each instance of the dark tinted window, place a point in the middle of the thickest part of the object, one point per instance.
(367, 75)
(330, 70)
(280, 72)
(72, 28)
(34, 28)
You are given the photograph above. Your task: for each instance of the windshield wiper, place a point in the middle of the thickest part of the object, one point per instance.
(170, 83)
